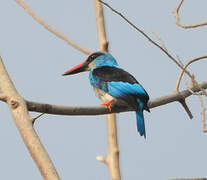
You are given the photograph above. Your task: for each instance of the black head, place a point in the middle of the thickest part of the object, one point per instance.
(93, 56)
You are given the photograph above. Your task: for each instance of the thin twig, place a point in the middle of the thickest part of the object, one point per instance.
(203, 109)
(203, 115)
(185, 106)
(160, 40)
(146, 36)
(178, 21)
(35, 118)
(51, 29)
(184, 68)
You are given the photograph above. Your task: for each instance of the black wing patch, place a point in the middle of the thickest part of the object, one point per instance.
(108, 74)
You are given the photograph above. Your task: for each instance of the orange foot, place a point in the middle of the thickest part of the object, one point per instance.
(108, 104)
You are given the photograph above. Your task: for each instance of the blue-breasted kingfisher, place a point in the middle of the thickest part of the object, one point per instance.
(110, 82)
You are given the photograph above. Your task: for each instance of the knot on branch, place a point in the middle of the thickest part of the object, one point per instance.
(14, 104)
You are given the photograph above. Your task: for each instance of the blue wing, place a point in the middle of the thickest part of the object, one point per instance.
(118, 83)
(121, 89)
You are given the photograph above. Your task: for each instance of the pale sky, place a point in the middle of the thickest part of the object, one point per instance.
(175, 146)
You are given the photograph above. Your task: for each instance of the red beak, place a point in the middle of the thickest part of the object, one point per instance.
(79, 68)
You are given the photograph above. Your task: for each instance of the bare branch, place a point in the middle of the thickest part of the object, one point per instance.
(51, 29)
(182, 101)
(103, 43)
(112, 158)
(179, 23)
(146, 36)
(184, 68)
(203, 110)
(21, 117)
(35, 118)
(160, 40)
(185, 106)
(116, 108)
(161, 47)
(203, 114)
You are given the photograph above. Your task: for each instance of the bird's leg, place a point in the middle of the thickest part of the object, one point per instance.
(108, 104)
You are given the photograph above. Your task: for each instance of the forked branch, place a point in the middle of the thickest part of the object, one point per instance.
(184, 68)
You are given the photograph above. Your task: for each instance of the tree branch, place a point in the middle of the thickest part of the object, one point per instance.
(21, 117)
(179, 23)
(112, 158)
(163, 49)
(51, 29)
(103, 43)
(116, 108)
(33, 119)
(184, 68)
(203, 115)
(185, 106)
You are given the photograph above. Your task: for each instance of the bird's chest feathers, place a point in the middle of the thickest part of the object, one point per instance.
(102, 95)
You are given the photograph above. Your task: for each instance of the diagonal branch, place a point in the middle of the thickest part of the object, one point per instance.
(33, 119)
(178, 21)
(51, 29)
(147, 37)
(161, 47)
(21, 117)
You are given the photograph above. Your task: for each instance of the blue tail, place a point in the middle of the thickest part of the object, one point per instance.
(140, 123)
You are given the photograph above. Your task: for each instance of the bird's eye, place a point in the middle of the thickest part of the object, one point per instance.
(93, 56)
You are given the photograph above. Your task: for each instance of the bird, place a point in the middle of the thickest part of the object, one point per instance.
(110, 82)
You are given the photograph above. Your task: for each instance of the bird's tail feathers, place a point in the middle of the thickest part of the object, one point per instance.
(140, 119)
(140, 123)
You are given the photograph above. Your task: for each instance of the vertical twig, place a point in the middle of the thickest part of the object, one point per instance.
(103, 43)
(112, 158)
(203, 114)
(23, 122)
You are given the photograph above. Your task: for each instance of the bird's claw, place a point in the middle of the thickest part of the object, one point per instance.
(107, 104)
